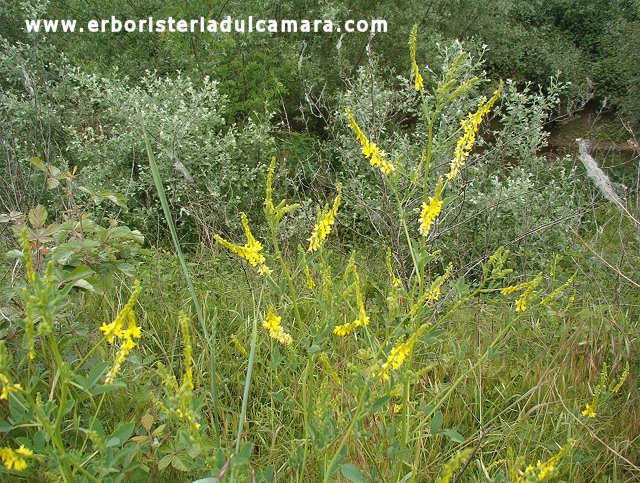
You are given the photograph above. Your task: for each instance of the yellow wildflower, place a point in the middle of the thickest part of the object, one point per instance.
(116, 330)
(415, 70)
(557, 292)
(400, 352)
(470, 127)
(241, 348)
(544, 470)
(187, 378)
(431, 210)
(250, 251)
(370, 150)
(589, 411)
(394, 280)
(271, 210)
(326, 221)
(7, 387)
(456, 461)
(14, 459)
(527, 289)
(28, 261)
(272, 324)
(615, 389)
(310, 283)
(181, 397)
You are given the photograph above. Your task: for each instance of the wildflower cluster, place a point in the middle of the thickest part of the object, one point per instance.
(370, 150)
(543, 470)
(400, 352)
(415, 70)
(557, 292)
(325, 222)
(470, 127)
(601, 391)
(116, 329)
(250, 251)
(7, 387)
(431, 210)
(272, 324)
(396, 282)
(527, 289)
(185, 392)
(15, 459)
(309, 279)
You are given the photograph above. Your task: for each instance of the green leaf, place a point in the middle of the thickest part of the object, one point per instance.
(380, 403)
(121, 434)
(96, 373)
(38, 216)
(105, 388)
(178, 464)
(352, 473)
(436, 423)
(454, 435)
(38, 163)
(83, 284)
(39, 441)
(5, 427)
(164, 462)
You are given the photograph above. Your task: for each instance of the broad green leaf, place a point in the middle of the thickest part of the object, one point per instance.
(38, 216)
(454, 435)
(351, 473)
(436, 423)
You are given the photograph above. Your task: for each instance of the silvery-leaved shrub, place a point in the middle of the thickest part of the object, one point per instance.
(205, 163)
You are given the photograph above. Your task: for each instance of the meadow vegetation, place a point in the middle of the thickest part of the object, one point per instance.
(394, 280)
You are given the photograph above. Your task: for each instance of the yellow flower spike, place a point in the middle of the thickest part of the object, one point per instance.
(470, 127)
(250, 251)
(557, 292)
(395, 281)
(400, 352)
(325, 223)
(615, 389)
(527, 289)
(431, 210)
(310, 283)
(238, 345)
(116, 330)
(370, 150)
(15, 459)
(272, 324)
(28, 260)
(415, 70)
(272, 211)
(7, 387)
(187, 378)
(589, 411)
(542, 471)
